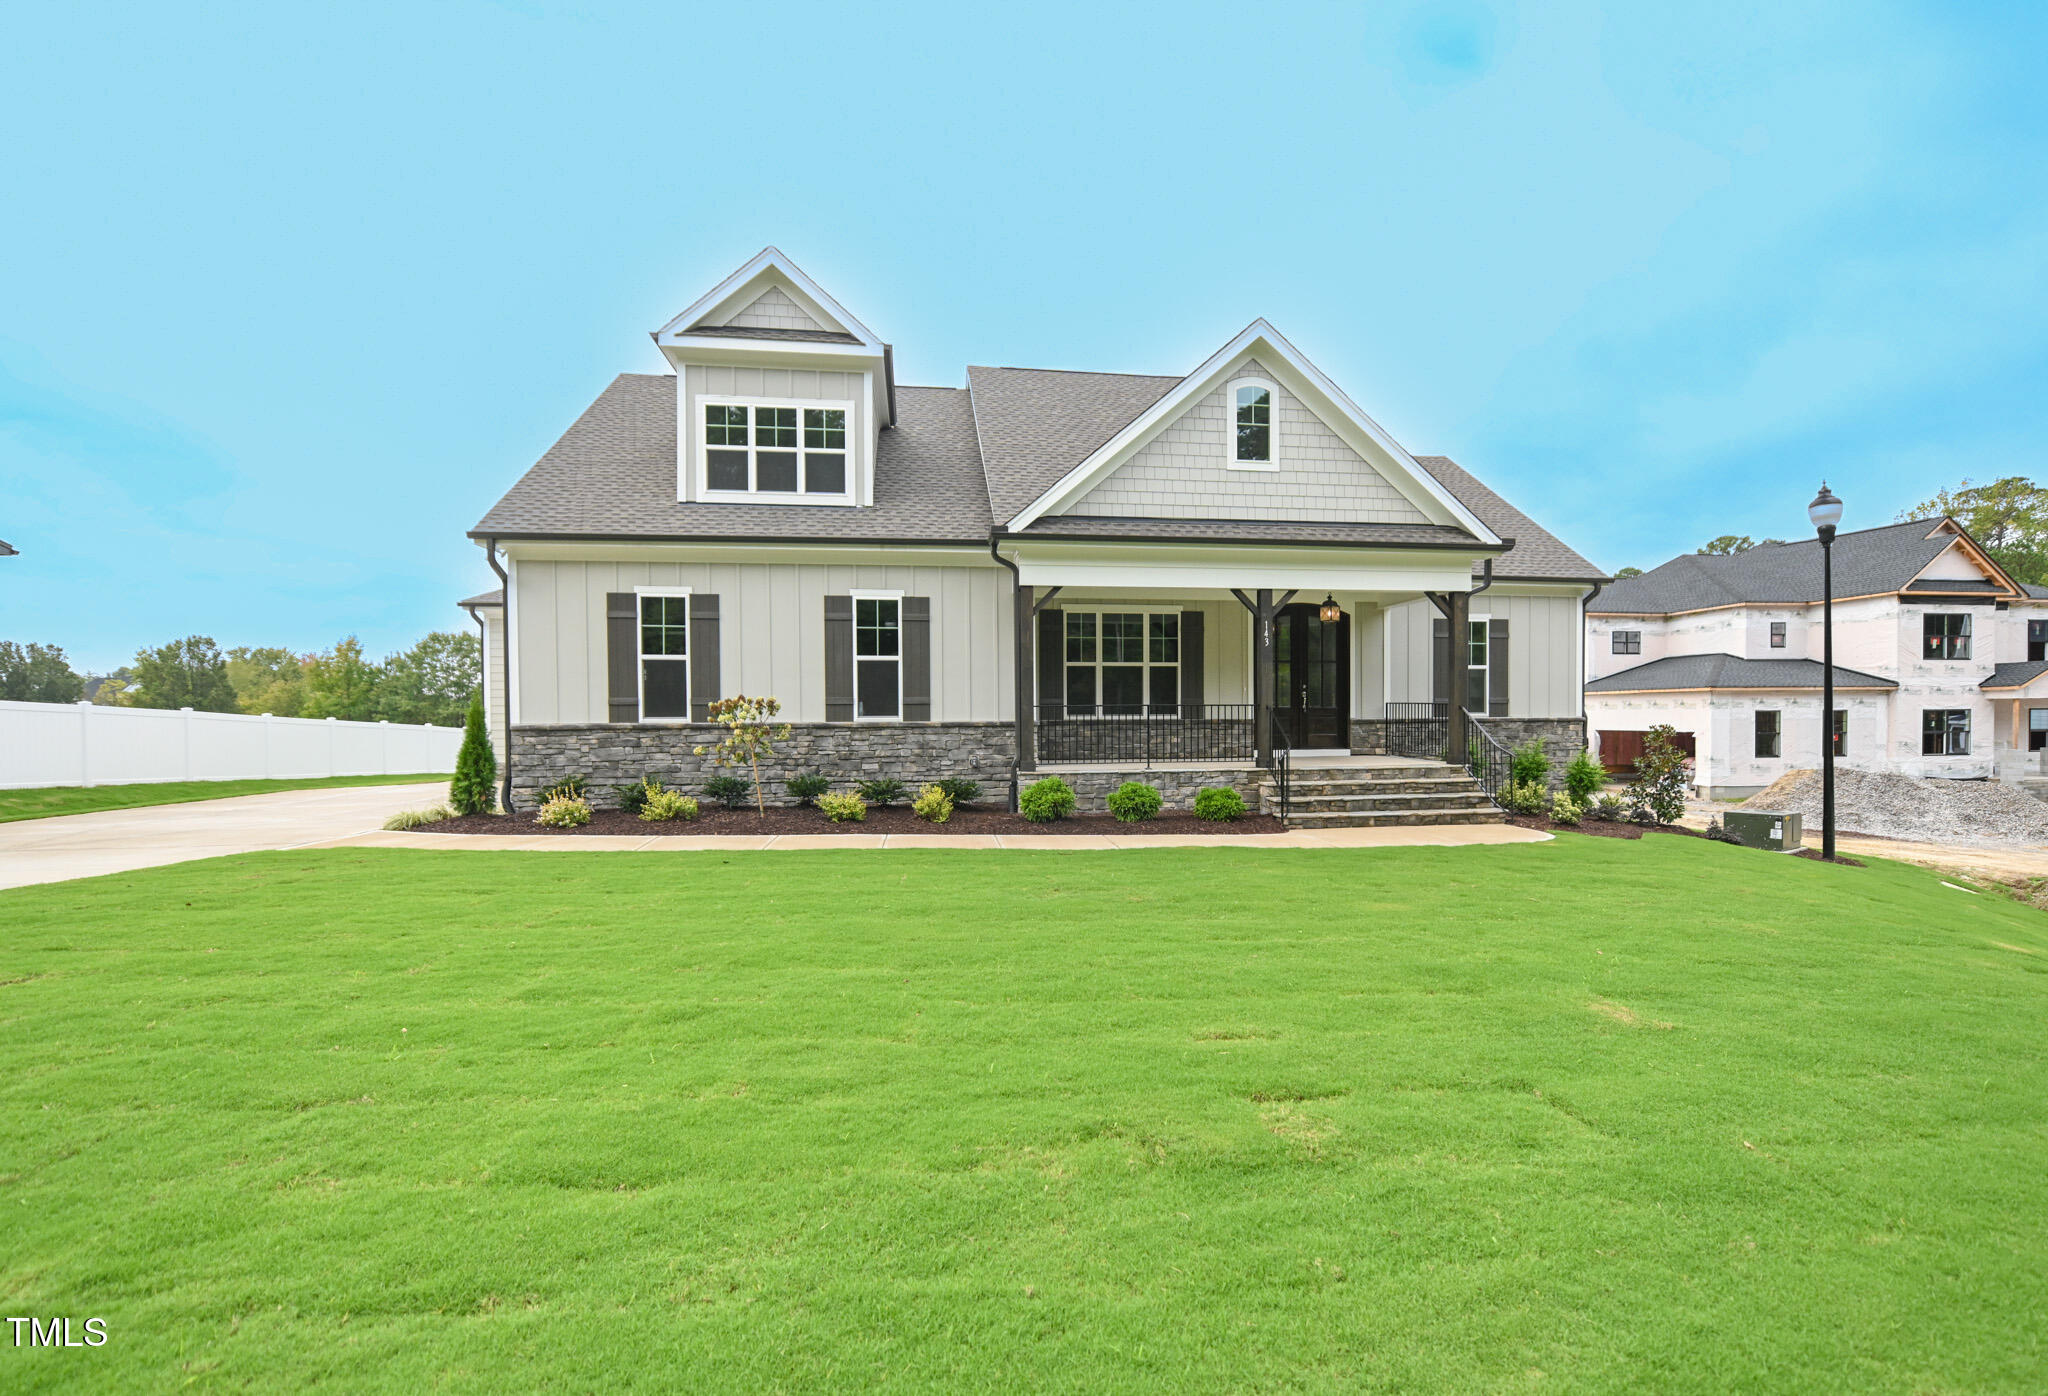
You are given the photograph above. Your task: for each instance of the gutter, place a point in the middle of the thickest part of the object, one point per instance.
(505, 670)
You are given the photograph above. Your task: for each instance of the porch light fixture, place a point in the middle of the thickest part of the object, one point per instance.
(1332, 612)
(1826, 512)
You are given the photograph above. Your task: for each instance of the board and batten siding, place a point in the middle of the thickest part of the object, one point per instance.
(1185, 471)
(771, 632)
(494, 677)
(1544, 640)
(812, 385)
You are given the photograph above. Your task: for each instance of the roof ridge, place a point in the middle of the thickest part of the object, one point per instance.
(1089, 372)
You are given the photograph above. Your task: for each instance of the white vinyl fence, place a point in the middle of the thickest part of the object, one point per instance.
(79, 744)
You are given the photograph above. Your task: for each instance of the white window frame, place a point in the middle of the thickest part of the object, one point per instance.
(1479, 632)
(640, 657)
(1272, 460)
(858, 597)
(703, 469)
(1145, 666)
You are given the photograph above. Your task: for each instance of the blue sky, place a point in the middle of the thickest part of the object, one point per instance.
(290, 294)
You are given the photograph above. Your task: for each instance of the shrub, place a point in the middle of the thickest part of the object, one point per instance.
(632, 796)
(1529, 764)
(1520, 797)
(1584, 777)
(415, 818)
(1662, 776)
(881, 792)
(807, 788)
(730, 791)
(960, 792)
(751, 733)
(564, 812)
(1644, 815)
(933, 805)
(843, 809)
(567, 788)
(1219, 804)
(1044, 801)
(662, 805)
(1721, 835)
(1565, 810)
(1133, 801)
(476, 766)
(1610, 808)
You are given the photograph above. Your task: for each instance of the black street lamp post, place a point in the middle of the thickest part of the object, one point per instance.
(1826, 512)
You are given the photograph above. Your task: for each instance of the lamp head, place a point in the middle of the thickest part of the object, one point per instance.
(1332, 612)
(1825, 511)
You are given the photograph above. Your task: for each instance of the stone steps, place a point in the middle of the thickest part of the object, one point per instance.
(1354, 797)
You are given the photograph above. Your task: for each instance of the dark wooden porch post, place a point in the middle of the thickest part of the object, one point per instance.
(1262, 679)
(1460, 651)
(1026, 626)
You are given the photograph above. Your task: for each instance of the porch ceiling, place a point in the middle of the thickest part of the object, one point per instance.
(1198, 569)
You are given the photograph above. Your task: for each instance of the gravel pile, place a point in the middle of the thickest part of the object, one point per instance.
(1903, 807)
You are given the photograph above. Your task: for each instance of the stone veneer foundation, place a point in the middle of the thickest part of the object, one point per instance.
(1562, 737)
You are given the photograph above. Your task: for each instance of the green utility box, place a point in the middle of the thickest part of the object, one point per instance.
(1773, 829)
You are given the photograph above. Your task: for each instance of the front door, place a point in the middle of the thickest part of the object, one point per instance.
(1312, 678)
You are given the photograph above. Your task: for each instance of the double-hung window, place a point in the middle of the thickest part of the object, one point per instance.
(1839, 730)
(665, 656)
(2037, 641)
(877, 656)
(1122, 662)
(791, 449)
(1946, 635)
(1252, 420)
(2037, 729)
(1777, 634)
(1626, 642)
(1767, 731)
(1476, 658)
(1945, 732)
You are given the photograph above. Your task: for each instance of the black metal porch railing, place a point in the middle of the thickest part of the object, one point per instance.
(1487, 760)
(1420, 731)
(1283, 764)
(1183, 732)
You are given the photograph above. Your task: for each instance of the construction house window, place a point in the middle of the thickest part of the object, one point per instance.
(1253, 403)
(1946, 635)
(1475, 667)
(665, 657)
(1777, 634)
(1839, 730)
(2037, 641)
(1627, 642)
(2037, 729)
(1123, 662)
(794, 449)
(877, 657)
(1945, 732)
(1767, 731)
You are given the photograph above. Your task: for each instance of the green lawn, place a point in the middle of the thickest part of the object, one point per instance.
(1588, 1115)
(48, 800)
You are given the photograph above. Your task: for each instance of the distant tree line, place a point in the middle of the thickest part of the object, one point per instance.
(430, 682)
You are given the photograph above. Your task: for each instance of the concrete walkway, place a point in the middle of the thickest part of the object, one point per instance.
(1445, 836)
(120, 840)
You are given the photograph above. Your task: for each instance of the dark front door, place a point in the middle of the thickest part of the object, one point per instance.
(1312, 677)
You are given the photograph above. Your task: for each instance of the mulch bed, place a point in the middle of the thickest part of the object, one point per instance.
(893, 819)
(1598, 828)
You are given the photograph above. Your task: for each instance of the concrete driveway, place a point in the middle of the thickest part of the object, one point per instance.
(86, 845)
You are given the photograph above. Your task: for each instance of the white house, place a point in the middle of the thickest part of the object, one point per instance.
(1101, 572)
(1941, 660)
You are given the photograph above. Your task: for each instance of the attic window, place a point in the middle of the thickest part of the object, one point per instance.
(1253, 402)
(792, 451)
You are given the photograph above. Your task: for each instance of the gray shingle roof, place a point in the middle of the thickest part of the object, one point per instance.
(2015, 674)
(1868, 562)
(1695, 671)
(484, 598)
(1537, 551)
(1038, 423)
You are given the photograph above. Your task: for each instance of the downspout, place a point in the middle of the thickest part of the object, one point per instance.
(1020, 612)
(505, 671)
(1586, 663)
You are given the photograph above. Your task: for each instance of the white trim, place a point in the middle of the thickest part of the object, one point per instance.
(1145, 665)
(640, 658)
(767, 259)
(846, 497)
(858, 595)
(512, 656)
(1258, 339)
(1230, 390)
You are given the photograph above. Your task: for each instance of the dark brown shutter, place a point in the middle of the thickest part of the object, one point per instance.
(1440, 656)
(1052, 664)
(1496, 668)
(704, 680)
(839, 659)
(917, 658)
(1191, 662)
(622, 654)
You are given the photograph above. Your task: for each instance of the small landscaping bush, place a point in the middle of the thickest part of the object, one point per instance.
(661, 805)
(843, 809)
(633, 795)
(1721, 835)
(933, 805)
(1219, 804)
(1529, 764)
(1643, 815)
(1584, 777)
(564, 812)
(1662, 776)
(1520, 797)
(881, 792)
(568, 788)
(730, 791)
(1610, 808)
(476, 766)
(415, 818)
(1044, 801)
(960, 792)
(807, 788)
(1133, 801)
(1565, 810)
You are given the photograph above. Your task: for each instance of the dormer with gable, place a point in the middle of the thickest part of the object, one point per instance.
(781, 393)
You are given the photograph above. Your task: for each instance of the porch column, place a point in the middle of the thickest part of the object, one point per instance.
(1263, 674)
(1026, 617)
(1456, 737)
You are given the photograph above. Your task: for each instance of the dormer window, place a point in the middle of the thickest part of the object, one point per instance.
(789, 451)
(1253, 402)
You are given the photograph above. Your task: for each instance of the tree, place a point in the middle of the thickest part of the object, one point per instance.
(341, 683)
(476, 765)
(432, 681)
(1729, 544)
(187, 673)
(1622, 574)
(267, 680)
(2008, 517)
(37, 674)
(115, 690)
(750, 734)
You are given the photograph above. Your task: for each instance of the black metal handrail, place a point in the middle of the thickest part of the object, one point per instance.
(1489, 762)
(1164, 732)
(1283, 764)
(1419, 730)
